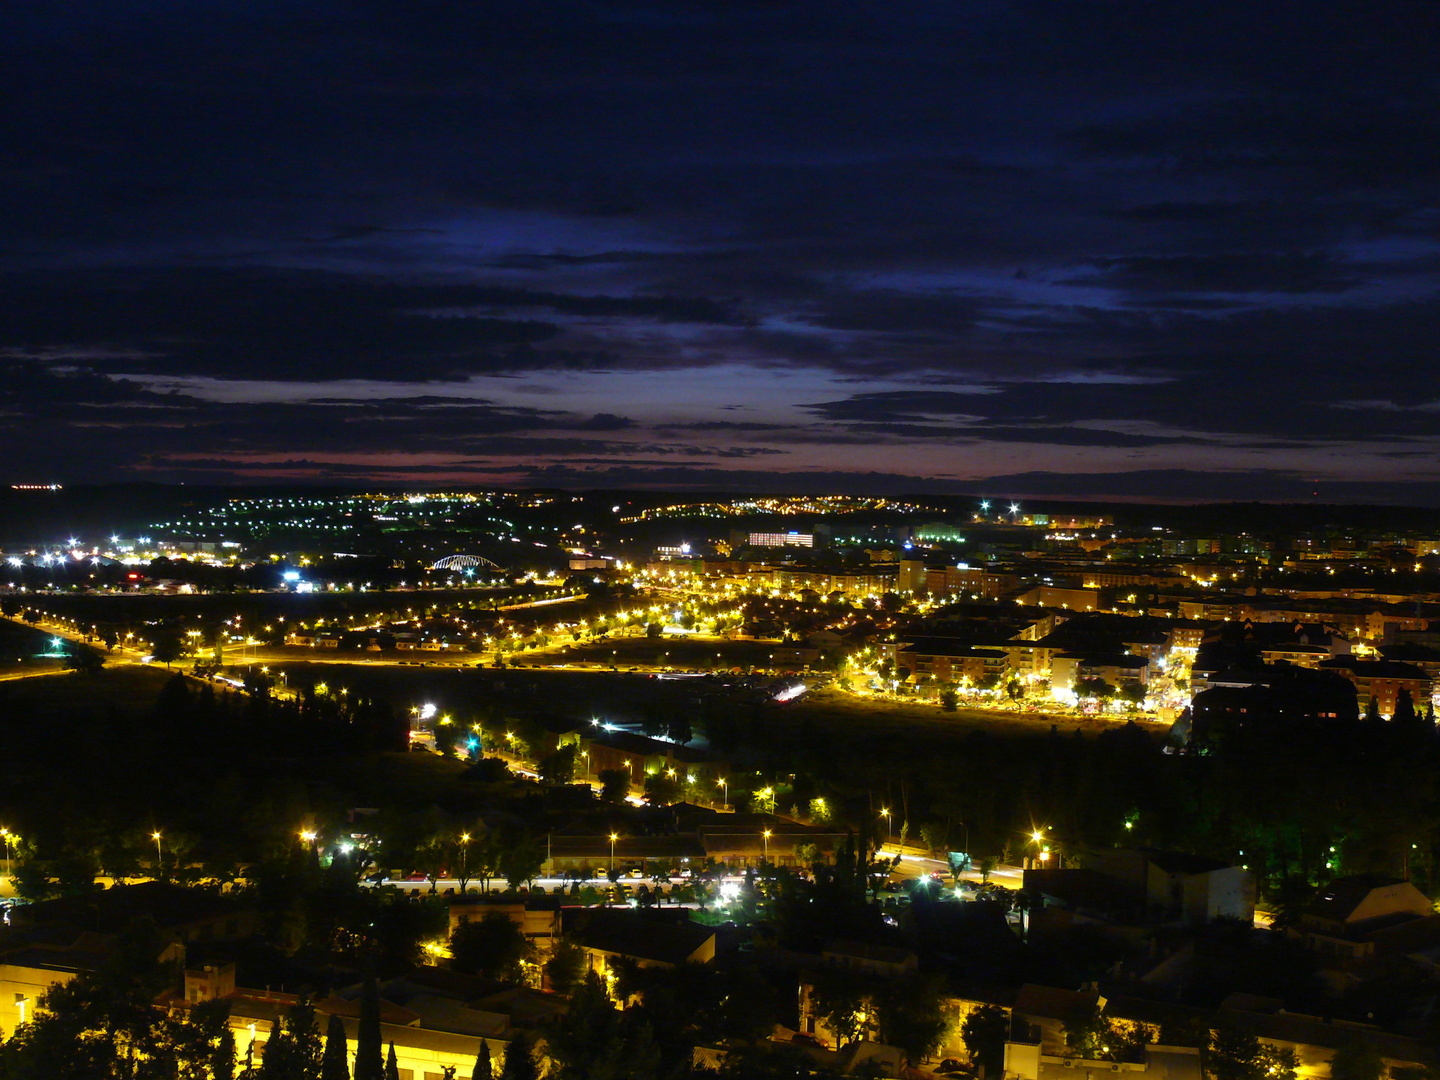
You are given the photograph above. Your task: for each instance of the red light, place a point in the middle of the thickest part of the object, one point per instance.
(133, 577)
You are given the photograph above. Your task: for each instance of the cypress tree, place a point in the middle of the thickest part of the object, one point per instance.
(1404, 713)
(369, 1065)
(222, 1062)
(392, 1067)
(335, 1065)
(519, 1062)
(483, 1069)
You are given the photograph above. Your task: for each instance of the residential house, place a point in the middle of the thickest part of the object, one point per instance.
(1350, 916)
(1190, 888)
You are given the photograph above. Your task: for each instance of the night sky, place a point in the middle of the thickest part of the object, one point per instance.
(1099, 249)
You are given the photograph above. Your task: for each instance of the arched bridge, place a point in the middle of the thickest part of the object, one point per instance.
(463, 562)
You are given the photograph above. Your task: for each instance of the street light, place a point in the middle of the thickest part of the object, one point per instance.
(766, 835)
(465, 854)
(724, 793)
(1037, 837)
(159, 855)
(885, 813)
(10, 839)
(613, 838)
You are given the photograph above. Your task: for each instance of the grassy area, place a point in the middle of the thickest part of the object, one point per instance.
(624, 696)
(694, 652)
(120, 692)
(25, 650)
(878, 716)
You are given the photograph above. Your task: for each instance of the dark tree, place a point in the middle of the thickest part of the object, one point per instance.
(392, 1067)
(519, 1061)
(369, 1064)
(1356, 1060)
(293, 1050)
(83, 659)
(167, 648)
(911, 1015)
(1234, 1055)
(559, 767)
(484, 1070)
(1404, 713)
(222, 1053)
(335, 1065)
(492, 946)
(678, 729)
(661, 790)
(521, 860)
(614, 784)
(565, 967)
(985, 1032)
(839, 998)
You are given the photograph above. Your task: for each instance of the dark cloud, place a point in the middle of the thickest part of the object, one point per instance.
(895, 405)
(1148, 229)
(1247, 272)
(311, 327)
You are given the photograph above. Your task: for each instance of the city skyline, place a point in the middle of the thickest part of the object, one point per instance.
(1144, 252)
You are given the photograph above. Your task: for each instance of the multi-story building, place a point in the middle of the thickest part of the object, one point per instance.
(1071, 599)
(946, 660)
(963, 579)
(1383, 680)
(793, 538)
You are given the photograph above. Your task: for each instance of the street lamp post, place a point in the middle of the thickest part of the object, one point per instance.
(766, 835)
(613, 838)
(10, 838)
(885, 813)
(465, 854)
(724, 794)
(159, 854)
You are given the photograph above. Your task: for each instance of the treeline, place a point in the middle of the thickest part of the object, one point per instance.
(225, 777)
(1295, 800)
